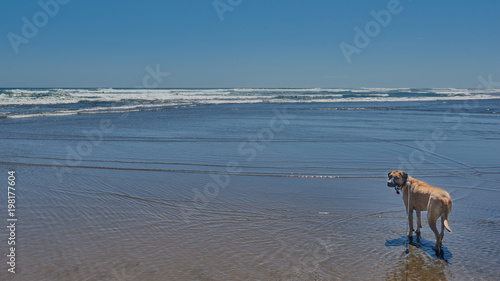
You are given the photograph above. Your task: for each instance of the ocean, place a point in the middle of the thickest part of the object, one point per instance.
(247, 184)
(19, 103)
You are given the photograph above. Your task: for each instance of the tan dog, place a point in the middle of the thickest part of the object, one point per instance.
(423, 197)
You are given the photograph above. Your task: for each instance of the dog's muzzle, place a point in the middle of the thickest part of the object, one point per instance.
(390, 183)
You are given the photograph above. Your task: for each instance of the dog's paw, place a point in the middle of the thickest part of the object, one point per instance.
(439, 252)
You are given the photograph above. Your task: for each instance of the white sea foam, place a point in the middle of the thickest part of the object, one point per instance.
(93, 101)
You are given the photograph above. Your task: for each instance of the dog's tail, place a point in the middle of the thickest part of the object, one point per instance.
(447, 211)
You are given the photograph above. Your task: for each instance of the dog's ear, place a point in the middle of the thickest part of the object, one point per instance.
(405, 176)
(389, 174)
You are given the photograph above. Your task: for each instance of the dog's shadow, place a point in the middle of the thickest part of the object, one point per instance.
(423, 244)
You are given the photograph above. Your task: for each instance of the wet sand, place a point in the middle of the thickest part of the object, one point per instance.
(252, 192)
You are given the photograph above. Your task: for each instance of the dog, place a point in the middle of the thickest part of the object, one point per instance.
(423, 197)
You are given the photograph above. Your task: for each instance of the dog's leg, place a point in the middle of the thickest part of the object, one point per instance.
(419, 222)
(432, 217)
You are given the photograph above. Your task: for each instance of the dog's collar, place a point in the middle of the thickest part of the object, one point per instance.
(398, 188)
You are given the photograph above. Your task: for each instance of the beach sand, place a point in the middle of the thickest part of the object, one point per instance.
(252, 192)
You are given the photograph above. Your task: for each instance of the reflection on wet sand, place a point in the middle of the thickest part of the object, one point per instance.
(418, 265)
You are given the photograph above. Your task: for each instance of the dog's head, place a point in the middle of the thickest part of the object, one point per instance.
(397, 178)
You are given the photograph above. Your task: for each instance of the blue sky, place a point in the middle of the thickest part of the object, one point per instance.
(260, 43)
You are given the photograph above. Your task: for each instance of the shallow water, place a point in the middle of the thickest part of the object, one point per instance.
(219, 192)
